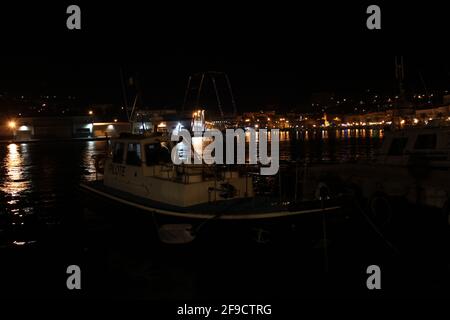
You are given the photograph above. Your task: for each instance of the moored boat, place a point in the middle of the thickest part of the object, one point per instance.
(412, 165)
(185, 199)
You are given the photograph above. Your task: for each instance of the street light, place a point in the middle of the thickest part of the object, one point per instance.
(91, 113)
(12, 126)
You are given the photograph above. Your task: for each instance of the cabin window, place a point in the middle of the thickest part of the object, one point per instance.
(118, 151)
(425, 141)
(134, 154)
(155, 153)
(397, 146)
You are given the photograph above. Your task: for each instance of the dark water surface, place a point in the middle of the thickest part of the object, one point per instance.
(44, 228)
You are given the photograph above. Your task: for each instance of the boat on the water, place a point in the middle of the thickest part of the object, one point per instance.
(412, 165)
(185, 199)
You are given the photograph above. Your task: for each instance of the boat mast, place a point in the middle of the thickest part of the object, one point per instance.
(130, 109)
(195, 87)
(400, 76)
(124, 94)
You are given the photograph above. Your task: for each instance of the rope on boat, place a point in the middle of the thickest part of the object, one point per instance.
(376, 229)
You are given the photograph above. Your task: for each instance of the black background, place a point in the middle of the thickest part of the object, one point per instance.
(275, 52)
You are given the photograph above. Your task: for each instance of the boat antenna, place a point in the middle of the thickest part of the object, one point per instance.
(232, 95)
(186, 93)
(197, 101)
(124, 93)
(423, 83)
(219, 104)
(137, 98)
(400, 76)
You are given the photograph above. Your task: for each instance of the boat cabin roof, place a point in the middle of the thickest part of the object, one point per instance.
(416, 140)
(141, 138)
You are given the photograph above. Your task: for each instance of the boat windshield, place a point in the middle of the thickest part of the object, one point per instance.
(117, 152)
(156, 153)
(425, 141)
(397, 146)
(134, 154)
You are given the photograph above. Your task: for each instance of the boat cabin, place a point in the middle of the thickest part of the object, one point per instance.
(141, 165)
(428, 146)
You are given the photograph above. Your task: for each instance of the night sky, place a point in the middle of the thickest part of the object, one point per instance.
(275, 54)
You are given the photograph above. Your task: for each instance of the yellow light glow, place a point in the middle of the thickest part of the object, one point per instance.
(12, 124)
(91, 112)
(14, 183)
(416, 121)
(402, 122)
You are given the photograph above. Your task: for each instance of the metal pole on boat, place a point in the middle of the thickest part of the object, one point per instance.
(199, 90)
(296, 181)
(219, 104)
(279, 186)
(325, 238)
(246, 184)
(186, 94)
(304, 179)
(124, 94)
(233, 102)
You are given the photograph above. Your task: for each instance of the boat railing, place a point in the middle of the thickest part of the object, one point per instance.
(190, 173)
(289, 184)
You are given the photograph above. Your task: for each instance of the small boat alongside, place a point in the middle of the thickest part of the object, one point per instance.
(186, 200)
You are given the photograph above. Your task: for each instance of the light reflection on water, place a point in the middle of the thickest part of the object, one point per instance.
(14, 182)
(38, 183)
(92, 148)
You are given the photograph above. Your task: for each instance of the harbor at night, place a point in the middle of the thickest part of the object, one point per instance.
(276, 159)
(319, 251)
